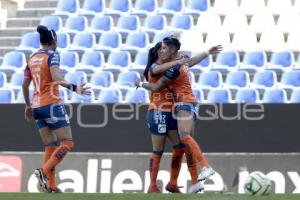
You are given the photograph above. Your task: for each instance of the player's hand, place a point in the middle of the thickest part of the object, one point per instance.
(185, 61)
(137, 83)
(83, 90)
(28, 114)
(215, 49)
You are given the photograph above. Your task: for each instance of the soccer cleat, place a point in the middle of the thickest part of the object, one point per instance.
(205, 173)
(153, 189)
(42, 178)
(57, 190)
(197, 187)
(172, 188)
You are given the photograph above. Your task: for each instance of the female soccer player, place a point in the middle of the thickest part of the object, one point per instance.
(177, 79)
(162, 125)
(46, 108)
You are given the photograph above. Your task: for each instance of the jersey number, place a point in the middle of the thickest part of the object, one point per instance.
(37, 82)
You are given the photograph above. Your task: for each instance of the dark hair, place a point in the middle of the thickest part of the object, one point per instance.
(172, 41)
(152, 57)
(46, 35)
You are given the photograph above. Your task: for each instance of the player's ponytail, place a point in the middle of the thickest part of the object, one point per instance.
(152, 57)
(46, 35)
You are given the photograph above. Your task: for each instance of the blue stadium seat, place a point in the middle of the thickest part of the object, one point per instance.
(192, 79)
(3, 79)
(101, 24)
(76, 24)
(196, 7)
(67, 8)
(86, 99)
(154, 24)
(30, 43)
(16, 81)
(290, 80)
(91, 62)
(219, 96)
(100, 80)
(118, 61)
(140, 61)
(237, 80)
(82, 42)
(275, 95)
(20, 97)
(139, 95)
(92, 7)
(63, 94)
(181, 23)
(136, 41)
(63, 41)
(159, 36)
(202, 66)
(110, 95)
(254, 61)
(76, 78)
(198, 94)
(247, 95)
(143, 8)
(127, 80)
(109, 41)
(127, 24)
(263, 80)
(6, 96)
(209, 80)
(281, 61)
(227, 61)
(117, 8)
(12, 62)
(52, 22)
(68, 61)
(295, 97)
(170, 8)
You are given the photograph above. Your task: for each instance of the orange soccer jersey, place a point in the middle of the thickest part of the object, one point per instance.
(38, 69)
(180, 85)
(160, 100)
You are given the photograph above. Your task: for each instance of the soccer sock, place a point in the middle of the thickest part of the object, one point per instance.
(154, 166)
(192, 164)
(57, 156)
(49, 149)
(197, 153)
(176, 163)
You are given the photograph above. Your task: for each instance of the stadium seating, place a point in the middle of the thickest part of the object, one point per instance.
(126, 80)
(16, 81)
(63, 94)
(250, 7)
(82, 42)
(100, 80)
(263, 80)
(158, 37)
(20, 97)
(226, 61)
(217, 37)
(136, 41)
(109, 42)
(224, 7)
(52, 22)
(262, 21)
(87, 99)
(293, 40)
(192, 41)
(13, 61)
(196, 7)
(3, 79)
(92, 7)
(118, 8)
(109, 95)
(6, 96)
(63, 41)
(192, 78)
(154, 23)
(140, 61)
(169, 8)
(144, 8)
(30, 43)
(275, 95)
(288, 22)
(181, 22)
(67, 8)
(118, 62)
(75, 24)
(202, 66)
(290, 80)
(139, 95)
(237, 80)
(244, 40)
(127, 24)
(76, 78)
(198, 94)
(101, 24)
(68, 61)
(271, 40)
(91, 62)
(295, 97)
(209, 80)
(254, 61)
(247, 95)
(281, 61)
(208, 22)
(234, 22)
(219, 96)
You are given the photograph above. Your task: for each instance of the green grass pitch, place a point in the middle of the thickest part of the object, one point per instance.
(131, 196)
